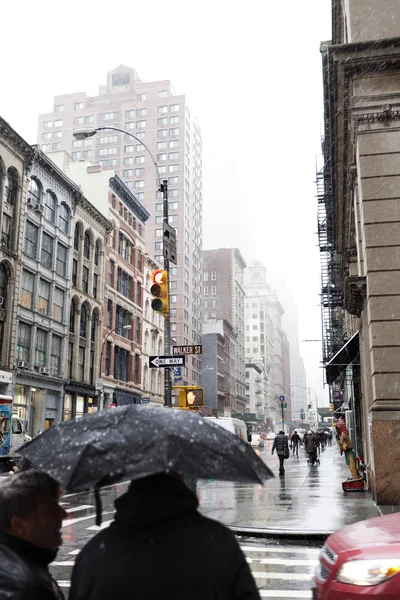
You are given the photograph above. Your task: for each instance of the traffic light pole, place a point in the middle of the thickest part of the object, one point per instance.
(167, 319)
(282, 418)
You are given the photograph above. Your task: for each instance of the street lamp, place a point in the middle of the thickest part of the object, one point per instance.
(101, 387)
(87, 132)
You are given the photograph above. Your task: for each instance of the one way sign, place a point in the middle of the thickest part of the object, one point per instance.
(155, 362)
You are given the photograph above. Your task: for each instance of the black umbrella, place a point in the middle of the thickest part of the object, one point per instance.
(133, 442)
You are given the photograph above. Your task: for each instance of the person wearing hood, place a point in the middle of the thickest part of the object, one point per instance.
(281, 445)
(311, 447)
(160, 546)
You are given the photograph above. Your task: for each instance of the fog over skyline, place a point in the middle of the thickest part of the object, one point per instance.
(252, 75)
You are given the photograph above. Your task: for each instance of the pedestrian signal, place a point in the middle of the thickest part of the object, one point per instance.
(331, 408)
(159, 290)
(310, 407)
(194, 398)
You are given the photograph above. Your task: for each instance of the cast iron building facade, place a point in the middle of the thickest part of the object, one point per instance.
(162, 120)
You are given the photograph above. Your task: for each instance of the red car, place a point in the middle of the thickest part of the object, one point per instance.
(362, 559)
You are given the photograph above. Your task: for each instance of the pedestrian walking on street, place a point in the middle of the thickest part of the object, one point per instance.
(160, 546)
(30, 535)
(281, 445)
(310, 446)
(295, 443)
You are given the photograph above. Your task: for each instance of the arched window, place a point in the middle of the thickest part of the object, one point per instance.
(95, 321)
(34, 191)
(76, 236)
(83, 323)
(11, 187)
(50, 202)
(3, 285)
(86, 245)
(72, 313)
(97, 250)
(63, 218)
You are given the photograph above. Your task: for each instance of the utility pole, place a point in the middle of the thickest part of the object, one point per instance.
(167, 319)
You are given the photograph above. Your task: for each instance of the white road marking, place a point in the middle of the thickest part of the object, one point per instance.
(284, 576)
(76, 508)
(64, 583)
(289, 562)
(74, 552)
(77, 520)
(63, 563)
(272, 549)
(284, 594)
(100, 527)
(88, 491)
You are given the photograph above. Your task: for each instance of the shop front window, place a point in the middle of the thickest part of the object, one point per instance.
(80, 406)
(67, 412)
(20, 402)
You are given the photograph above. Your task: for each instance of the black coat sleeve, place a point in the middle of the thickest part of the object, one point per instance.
(38, 593)
(245, 585)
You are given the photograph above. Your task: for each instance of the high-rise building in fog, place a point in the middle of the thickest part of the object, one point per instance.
(162, 120)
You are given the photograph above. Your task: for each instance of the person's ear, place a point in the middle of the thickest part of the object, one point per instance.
(19, 526)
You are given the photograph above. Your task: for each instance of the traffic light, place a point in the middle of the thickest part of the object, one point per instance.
(331, 408)
(309, 407)
(194, 398)
(159, 290)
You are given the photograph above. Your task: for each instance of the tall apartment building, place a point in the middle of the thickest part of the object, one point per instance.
(263, 313)
(224, 299)
(162, 120)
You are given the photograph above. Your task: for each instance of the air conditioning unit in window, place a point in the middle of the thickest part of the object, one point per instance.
(43, 371)
(29, 201)
(23, 364)
(39, 208)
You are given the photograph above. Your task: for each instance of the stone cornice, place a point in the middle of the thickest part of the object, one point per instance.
(125, 194)
(355, 294)
(46, 163)
(18, 142)
(385, 116)
(93, 212)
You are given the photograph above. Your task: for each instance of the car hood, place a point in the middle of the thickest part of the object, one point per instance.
(379, 531)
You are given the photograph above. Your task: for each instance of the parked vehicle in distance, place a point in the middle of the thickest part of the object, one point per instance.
(361, 560)
(271, 435)
(235, 426)
(257, 441)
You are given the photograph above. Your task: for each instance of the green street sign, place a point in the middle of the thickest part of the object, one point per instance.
(285, 405)
(302, 416)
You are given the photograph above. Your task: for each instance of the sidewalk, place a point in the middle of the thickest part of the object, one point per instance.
(306, 501)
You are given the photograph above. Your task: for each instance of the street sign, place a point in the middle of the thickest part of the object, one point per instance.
(282, 398)
(302, 410)
(285, 405)
(302, 416)
(166, 361)
(99, 386)
(169, 242)
(187, 349)
(145, 400)
(177, 373)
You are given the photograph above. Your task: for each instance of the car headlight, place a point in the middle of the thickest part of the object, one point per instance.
(368, 572)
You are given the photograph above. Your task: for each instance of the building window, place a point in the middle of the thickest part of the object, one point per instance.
(63, 218)
(163, 94)
(137, 369)
(110, 162)
(31, 238)
(174, 132)
(23, 342)
(141, 97)
(76, 237)
(162, 133)
(174, 144)
(74, 272)
(174, 120)
(55, 357)
(86, 245)
(108, 358)
(128, 173)
(139, 184)
(49, 206)
(173, 156)
(121, 363)
(140, 160)
(140, 124)
(129, 114)
(97, 249)
(61, 262)
(78, 105)
(58, 305)
(81, 366)
(173, 299)
(43, 297)
(174, 108)
(40, 348)
(85, 280)
(129, 160)
(95, 284)
(213, 275)
(125, 283)
(173, 168)
(139, 293)
(139, 172)
(111, 272)
(46, 257)
(110, 116)
(107, 151)
(83, 322)
(27, 289)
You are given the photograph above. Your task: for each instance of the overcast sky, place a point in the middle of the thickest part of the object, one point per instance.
(252, 74)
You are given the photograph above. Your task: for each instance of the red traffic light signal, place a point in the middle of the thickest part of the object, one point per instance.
(159, 290)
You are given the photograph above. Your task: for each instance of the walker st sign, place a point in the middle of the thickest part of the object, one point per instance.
(155, 362)
(187, 349)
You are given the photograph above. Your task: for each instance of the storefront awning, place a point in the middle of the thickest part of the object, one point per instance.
(124, 397)
(343, 358)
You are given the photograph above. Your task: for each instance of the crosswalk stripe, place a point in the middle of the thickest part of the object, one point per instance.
(63, 563)
(283, 576)
(289, 562)
(284, 594)
(76, 508)
(78, 519)
(74, 552)
(288, 550)
(64, 583)
(100, 527)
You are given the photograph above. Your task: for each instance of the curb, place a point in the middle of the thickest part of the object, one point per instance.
(295, 534)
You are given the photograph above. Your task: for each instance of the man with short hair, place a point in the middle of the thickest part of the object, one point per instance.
(30, 535)
(281, 445)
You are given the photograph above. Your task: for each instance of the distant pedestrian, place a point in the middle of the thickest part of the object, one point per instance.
(295, 443)
(160, 546)
(281, 445)
(30, 534)
(330, 438)
(310, 445)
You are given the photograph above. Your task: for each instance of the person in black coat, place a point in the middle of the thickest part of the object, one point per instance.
(281, 445)
(295, 443)
(160, 546)
(30, 534)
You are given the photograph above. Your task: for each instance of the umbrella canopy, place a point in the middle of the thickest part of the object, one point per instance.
(133, 442)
